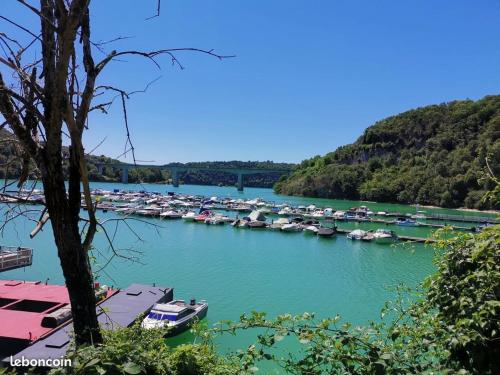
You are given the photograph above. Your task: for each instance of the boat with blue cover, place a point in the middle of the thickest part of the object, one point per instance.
(177, 315)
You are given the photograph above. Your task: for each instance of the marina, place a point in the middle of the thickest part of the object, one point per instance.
(245, 269)
(258, 213)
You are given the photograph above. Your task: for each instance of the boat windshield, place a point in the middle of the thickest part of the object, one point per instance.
(159, 316)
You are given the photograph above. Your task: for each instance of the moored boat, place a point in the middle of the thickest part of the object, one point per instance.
(171, 214)
(311, 229)
(357, 234)
(202, 216)
(367, 237)
(189, 216)
(257, 224)
(384, 236)
(176, 315)
(278, 223)
(292, 227)
(405, 221)
(217, 220)
(326, 232)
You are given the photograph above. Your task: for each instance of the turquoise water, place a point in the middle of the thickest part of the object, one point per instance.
(238, 271)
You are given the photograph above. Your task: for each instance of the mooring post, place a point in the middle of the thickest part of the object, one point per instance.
(240, 182)
(125, 175)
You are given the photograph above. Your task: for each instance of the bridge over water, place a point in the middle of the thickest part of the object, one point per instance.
(176, 169)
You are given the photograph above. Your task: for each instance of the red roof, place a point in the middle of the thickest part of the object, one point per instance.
(34, 291)
(24, 304)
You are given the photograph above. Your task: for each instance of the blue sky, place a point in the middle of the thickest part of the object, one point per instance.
(309, 76)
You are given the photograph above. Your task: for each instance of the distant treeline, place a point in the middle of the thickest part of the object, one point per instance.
(206, 177)
(435, 155)
(10, 166)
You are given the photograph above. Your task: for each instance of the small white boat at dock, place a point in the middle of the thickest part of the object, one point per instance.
(384, 236)
(357, 234)
(171, 214)
(189, 216)
(292, 227)
(176, 315)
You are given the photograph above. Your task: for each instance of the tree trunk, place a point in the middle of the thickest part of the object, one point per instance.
(64, 213)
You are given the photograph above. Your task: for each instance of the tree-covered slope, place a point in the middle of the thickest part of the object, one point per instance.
(431, 155)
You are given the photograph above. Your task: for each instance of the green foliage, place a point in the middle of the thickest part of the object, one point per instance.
(134, 350)
(466, 293)
(432, 155)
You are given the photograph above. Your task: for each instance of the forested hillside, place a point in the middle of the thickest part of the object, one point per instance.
(10, 166)
(431, 155)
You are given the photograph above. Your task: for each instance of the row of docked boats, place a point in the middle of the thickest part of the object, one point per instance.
(256, 219)
(174, 205)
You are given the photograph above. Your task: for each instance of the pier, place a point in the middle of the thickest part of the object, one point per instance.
(120, 309)
(176, 169)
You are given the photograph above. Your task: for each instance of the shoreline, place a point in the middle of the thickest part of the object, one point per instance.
(494, 212)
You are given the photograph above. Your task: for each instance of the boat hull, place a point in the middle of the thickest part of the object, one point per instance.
(184, 326)
(384, 240)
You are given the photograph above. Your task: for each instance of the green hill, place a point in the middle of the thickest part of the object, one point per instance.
(432, 155)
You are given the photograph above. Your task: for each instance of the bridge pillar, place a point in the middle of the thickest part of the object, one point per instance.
(125, 175)
(100, 168)
(175, 178)
(239, 185)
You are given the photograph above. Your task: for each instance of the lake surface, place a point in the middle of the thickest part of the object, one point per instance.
(238, 271)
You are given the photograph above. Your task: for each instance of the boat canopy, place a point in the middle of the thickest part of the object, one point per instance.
(167, 307)
(282, 220)
(160, 316)
(358, 232)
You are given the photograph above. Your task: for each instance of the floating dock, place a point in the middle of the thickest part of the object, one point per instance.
(15, 257)
(22, 333)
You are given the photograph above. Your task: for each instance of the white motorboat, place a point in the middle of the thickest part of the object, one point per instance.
(171, 214)
(292, 227)
(311, 229)
(217, 220)
(176, 315)
(189, 216)
(278, 223)
(384, 236)
(357, 234)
